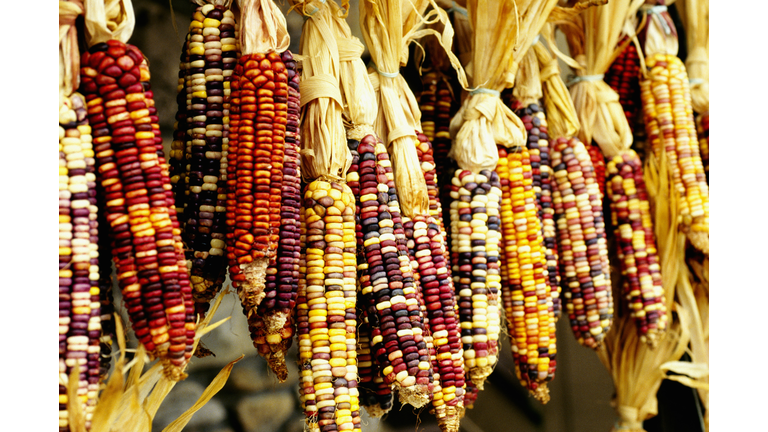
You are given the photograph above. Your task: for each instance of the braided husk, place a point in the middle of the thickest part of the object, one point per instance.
(388, 27)
(592, 38)
(695, 17)
(324, 153)
(110, 19)
(69, 52)
(562, 120)
(528, 89)
(262, 27)
(483, 121)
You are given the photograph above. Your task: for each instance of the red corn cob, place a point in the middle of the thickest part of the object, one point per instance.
(154, 286)
(623, 78)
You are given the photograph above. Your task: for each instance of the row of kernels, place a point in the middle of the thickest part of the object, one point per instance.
(598, 162)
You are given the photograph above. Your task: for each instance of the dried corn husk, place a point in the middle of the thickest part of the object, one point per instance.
(562, 120)
(527, 88)
(462, 46)
(695, 17)
(132, 396)
(262, 27)
(357, 93)
(636, 368)
(110, 19)
(592, 39)
(483, 121)
(324, 143)
(388, 27)
(69, 53)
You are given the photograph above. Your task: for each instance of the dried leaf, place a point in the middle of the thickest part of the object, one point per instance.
(210, 391)
(694, 15)
(263, 27)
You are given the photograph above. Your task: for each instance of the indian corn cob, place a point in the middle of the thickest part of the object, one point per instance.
(583, 254)
(273, 325)
(476, 274)
(155, 287)
(535, 122)
(258, 118)
(624, 78)
(404, 361)
(528, 302)
(199, 148)
(330, 285)
(670, 127)
(79, 301)
(376, 394)
(640, 268)
(427, 250)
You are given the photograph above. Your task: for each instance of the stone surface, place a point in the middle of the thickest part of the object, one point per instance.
(266, 412)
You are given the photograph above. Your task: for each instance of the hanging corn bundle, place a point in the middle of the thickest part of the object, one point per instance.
(146, 241)
(600, 114)
(326, 311)
(670, 126)
(198, 159)
(482, 123)
(382, 247)
(694, 15)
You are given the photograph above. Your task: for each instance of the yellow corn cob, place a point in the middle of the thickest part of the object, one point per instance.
(670, 127)
(529, 301)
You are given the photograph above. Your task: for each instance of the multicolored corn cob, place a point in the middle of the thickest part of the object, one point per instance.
(198, 152)
(427, 251)
(376, 394)
(155, 287)
(476, 273)
(670, 127)
(582, 247)
(640, 268)
(387, 279)
(258, 119)
(528, 302)
(624, 78)
(328, 210)
(303, 327)
(273, 325)
(535, 122)
(79, 301)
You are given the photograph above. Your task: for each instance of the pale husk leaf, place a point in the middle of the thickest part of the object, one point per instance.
(661, 35)
(527, 88)
(357, 94)
(110, 19)
(592, 38)
(384, 24)
(484, 121)
(263, 27)
(562, 120)
(694, 15)
(324, 143)
(69, 53)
